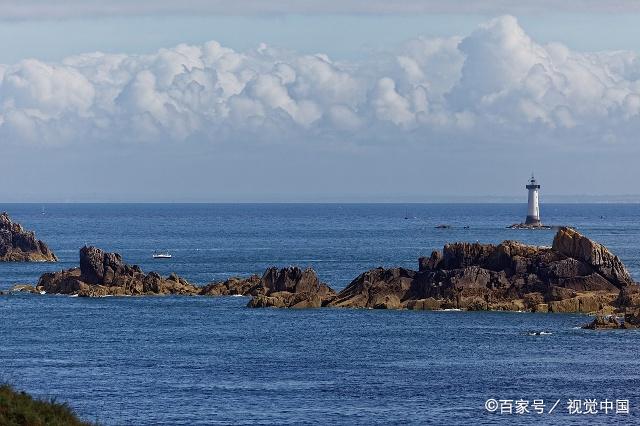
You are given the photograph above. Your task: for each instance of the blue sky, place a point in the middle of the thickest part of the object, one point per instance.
(318, 101)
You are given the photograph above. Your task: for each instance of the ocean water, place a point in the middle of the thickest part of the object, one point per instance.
(196, 360)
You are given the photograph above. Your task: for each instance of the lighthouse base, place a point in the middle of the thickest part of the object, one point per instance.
(533, 221)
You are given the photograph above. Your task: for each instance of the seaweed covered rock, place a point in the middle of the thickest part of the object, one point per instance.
(19, 245)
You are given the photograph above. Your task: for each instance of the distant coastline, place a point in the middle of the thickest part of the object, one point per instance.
(480, 200)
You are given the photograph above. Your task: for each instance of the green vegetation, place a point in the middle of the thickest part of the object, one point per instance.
(20, 409)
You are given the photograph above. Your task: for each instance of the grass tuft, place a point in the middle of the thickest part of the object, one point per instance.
(20, 409)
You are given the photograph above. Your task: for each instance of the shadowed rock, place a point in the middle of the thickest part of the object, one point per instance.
(19, 245)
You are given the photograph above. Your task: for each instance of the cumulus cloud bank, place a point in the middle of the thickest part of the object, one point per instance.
(494, 84)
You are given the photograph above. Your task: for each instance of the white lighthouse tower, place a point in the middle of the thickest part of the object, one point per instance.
(533, 208)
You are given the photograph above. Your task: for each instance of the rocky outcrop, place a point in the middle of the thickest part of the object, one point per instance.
(574, 275)
(291, 287)
(630, 320)
(19, 245)
(24, 288)
(105, 274)
(573, 245)
(379, 288)
(529, 226)
(234, 286)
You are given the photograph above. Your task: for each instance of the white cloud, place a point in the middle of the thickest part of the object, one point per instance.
(494, 84)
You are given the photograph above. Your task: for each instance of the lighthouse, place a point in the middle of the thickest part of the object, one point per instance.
(533, 209)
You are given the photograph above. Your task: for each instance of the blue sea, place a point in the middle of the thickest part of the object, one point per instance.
(198, 360)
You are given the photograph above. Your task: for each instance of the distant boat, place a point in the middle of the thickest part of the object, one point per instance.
(443, 226)
(162, 255)
(43, 211)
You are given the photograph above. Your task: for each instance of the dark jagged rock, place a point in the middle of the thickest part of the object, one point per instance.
(291, 287)
(104, 274)
(19, 245)
(575, 275)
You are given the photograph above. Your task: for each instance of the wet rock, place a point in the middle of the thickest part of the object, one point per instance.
(19, 245)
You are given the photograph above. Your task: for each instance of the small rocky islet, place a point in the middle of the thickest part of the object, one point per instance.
(20, 245)
(575, 274)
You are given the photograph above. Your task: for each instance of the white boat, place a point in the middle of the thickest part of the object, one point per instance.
(162, 255)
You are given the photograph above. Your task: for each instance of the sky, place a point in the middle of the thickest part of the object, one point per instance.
(309, 101)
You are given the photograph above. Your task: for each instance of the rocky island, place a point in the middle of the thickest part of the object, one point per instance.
(575, 274)
(19, 245)
(289, 287)
(105, 274)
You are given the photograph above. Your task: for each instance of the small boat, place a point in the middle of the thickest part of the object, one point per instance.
(162, 255)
